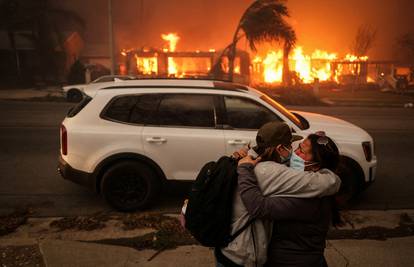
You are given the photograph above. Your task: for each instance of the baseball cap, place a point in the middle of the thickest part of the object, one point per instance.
(275, 133)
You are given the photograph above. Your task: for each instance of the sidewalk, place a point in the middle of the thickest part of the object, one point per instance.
(367, 98)
(60, 242)
(27, 94)
(339, 253)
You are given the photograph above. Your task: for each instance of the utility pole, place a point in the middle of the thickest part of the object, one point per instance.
(111, 38)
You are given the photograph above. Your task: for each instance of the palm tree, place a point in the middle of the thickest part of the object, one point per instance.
(263, 21)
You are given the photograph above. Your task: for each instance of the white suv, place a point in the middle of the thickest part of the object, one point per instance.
(131, 136)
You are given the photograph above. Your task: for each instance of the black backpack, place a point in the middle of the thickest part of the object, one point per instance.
(210, 204)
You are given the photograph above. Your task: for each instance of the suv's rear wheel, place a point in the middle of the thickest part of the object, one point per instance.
(129, 185)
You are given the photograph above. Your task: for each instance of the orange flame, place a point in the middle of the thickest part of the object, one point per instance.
(147, 65)
(273, 67)
(172, 39)
(307, 67)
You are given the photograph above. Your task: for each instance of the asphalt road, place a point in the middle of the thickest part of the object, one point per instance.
(29, 145)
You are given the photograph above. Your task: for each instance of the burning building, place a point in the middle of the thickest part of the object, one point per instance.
(263, 68)
(168, 62)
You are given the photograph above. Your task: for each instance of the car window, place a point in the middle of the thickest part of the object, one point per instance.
(187, 110)
(145, 111)
(76, 109)
(120, 108)
(243, 113)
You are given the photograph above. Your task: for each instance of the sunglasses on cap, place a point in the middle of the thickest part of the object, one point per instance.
(323, 140)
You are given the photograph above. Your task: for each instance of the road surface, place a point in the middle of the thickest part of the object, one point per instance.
(29, 145)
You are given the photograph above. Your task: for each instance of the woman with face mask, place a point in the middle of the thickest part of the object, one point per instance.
(294, 241)
(274, 178)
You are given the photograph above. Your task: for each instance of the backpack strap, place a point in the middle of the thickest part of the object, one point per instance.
(238, 232)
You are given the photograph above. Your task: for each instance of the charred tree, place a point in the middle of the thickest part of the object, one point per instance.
(263, 21)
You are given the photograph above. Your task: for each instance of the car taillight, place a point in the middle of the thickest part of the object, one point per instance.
(63, 140)
(367, 150)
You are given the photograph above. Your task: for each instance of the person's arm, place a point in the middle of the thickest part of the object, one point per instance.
(273, 208)
(278, 180)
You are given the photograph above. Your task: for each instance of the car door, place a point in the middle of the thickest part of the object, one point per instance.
(185, 137)
(242, 118)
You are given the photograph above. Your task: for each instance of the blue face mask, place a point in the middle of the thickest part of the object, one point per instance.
(297, 162)
(300, 164)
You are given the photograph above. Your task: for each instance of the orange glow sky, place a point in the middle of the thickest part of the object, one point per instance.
(202, 24)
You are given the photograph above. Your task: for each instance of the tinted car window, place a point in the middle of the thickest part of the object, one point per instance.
(244, 113)
(120, 108)
(187, 110)
(76, 109)
(145, 111)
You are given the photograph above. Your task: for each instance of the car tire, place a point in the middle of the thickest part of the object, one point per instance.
(74, 95)
(129, 186)
(351, 183)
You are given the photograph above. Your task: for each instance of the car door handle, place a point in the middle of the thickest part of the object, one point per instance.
(237, 142)
(156, 140)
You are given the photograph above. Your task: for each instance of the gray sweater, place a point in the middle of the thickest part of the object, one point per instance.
(250, 247)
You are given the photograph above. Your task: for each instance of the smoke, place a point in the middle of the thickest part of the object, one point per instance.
(329, 25)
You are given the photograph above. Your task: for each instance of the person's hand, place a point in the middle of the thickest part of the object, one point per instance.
(241, 153)
(249, 160)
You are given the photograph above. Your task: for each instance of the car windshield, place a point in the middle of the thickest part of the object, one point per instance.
(283, 110)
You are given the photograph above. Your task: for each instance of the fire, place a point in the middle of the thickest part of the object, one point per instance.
(302, 65)
(273, 66)
(147, 65)
(352, 58)
(172, 39)
(265, 67)
(307, 68)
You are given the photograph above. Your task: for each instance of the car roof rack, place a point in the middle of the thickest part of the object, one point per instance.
(216, 84)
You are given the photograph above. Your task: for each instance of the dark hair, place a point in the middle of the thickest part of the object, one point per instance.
(268, 153)
(326, 154)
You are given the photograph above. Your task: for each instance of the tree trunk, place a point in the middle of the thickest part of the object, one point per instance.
(232, 53)
(232, 57)
(286, 72)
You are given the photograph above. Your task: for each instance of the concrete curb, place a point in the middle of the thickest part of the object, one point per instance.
(362, 103)
(84, 248)
(31, 94)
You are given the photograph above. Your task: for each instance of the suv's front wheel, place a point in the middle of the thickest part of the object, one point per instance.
(129, 185)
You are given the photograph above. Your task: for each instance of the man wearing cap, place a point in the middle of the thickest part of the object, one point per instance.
(274, 146)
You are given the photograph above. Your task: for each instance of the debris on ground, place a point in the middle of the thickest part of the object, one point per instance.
(21, 256)
(169, 233)
(405, 228)
(9, 223)
(143, 220)
(82, 223)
